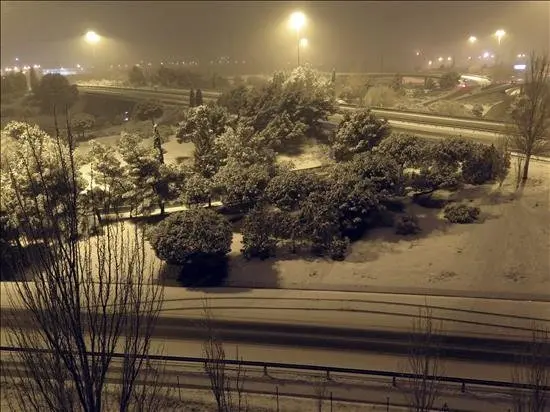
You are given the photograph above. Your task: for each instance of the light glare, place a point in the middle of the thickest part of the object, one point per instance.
(92, 37)
(297, 20)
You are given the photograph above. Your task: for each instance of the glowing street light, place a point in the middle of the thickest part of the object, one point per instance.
(499, 35)
(92, 38)
(449, 59)
(472, 39)
(297, 21)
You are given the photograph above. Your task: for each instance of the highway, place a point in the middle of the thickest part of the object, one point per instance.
(342, 329)
(180, 97)
(481, 336)
(474, 327)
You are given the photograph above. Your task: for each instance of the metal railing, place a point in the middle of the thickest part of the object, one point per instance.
(327, 370)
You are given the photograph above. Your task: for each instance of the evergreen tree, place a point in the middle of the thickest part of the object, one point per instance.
(198, 98)
(192, 98)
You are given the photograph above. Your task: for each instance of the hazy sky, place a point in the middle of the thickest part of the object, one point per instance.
(341, 34)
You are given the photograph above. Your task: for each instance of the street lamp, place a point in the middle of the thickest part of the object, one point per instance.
(499, 35)
(92, 38)
(297, 21)
(472, 39)
(304, 43)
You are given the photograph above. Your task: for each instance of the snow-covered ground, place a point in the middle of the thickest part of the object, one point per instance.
(508, 251)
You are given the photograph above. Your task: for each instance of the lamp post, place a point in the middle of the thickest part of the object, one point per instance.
(303, 45)
(92, 38)
(499, 34)
(297, 21)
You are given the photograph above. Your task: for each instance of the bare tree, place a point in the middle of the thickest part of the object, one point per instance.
(424, 362)
(87, 299)
(531, 111)
(222, 384)
(533, 370)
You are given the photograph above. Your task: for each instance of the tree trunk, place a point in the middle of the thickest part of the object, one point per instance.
(526, 167)
(161, 205)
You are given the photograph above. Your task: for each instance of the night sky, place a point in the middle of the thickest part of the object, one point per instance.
(347, 35)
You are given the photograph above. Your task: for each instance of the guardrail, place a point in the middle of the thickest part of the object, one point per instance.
(438, 120)
(328, 370)
(151, 89)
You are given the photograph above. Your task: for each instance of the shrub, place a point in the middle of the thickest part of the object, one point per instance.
(381, 171)
(82, 122)
(242, 186)
(197, 190)
(407, 225)
(337, 248)
(288, 189)
(358, 132)
(485, 163)
(477, 110)
(461, 213)
(257, 230)
(355, 201)
(185, 237)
